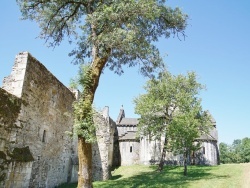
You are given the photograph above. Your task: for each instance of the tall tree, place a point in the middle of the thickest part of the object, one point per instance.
(245, 151)
(108, 33)
(171, 107)
(225, 155)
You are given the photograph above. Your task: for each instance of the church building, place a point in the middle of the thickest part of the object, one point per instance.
(141, 149)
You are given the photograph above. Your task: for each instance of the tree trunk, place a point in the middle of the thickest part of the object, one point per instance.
(185, 163)
(85, 149)
(163, 155)
(85, 163)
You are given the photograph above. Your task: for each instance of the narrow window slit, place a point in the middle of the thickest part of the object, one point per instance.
(44, 136)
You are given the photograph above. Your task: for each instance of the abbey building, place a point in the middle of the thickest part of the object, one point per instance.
(35, 151)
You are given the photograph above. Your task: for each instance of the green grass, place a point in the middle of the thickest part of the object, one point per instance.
(222, 176)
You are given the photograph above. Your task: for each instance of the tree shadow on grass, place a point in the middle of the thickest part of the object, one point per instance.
(170, 177)
(116, 177)
(165, 168)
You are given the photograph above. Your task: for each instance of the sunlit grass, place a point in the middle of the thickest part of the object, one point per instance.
(222, 176)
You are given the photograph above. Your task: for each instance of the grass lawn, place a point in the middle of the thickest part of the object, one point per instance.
(222, 176)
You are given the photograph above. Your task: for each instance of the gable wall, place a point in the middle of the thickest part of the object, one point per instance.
(45, 116)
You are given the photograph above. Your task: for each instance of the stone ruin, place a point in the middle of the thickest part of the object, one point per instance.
(35, 151)
(35, 112)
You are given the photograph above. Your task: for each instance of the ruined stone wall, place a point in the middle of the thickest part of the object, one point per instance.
(14, 82)
(102, 151)
(116, 150)
(10, 107)
(34, 119)
(44, 117)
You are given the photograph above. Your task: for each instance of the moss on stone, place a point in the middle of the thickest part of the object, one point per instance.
(2, 177)
(22, 155)
(10, 107)
(2, 155)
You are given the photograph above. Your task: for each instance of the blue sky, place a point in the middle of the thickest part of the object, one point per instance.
(217, 47)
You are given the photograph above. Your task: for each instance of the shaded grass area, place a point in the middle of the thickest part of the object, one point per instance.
(222, 176)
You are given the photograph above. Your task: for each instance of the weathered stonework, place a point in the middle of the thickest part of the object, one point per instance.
(35, 112)
(39, 134)
(102, 151)
(10, 107)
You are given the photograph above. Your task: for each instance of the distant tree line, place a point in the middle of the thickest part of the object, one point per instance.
(238, 152)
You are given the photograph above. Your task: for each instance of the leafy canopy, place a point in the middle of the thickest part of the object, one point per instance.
(125, 31)
(84, 112)
(171, 106)
(238, 152)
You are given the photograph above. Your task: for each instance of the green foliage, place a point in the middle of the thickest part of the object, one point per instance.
(245, 149)
(123, 30)
(182, 131)
(169, 98)
(238, 152)
(171, 107)
(83, 111)
(83, 79)
(84, 127)
(9, 103)
(225, 156)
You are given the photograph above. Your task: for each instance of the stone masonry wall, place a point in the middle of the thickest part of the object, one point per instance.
(208, 154)
(130, 152)
(102, 151)
(10, 107)
(35, 112)
(151, 150)
(45, 115)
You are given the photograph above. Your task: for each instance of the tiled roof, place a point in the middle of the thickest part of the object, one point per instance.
(129, 135)
(206, 137)
(128, 121)
(213, 135)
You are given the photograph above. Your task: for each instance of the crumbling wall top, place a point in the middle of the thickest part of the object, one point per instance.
(14, 82)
